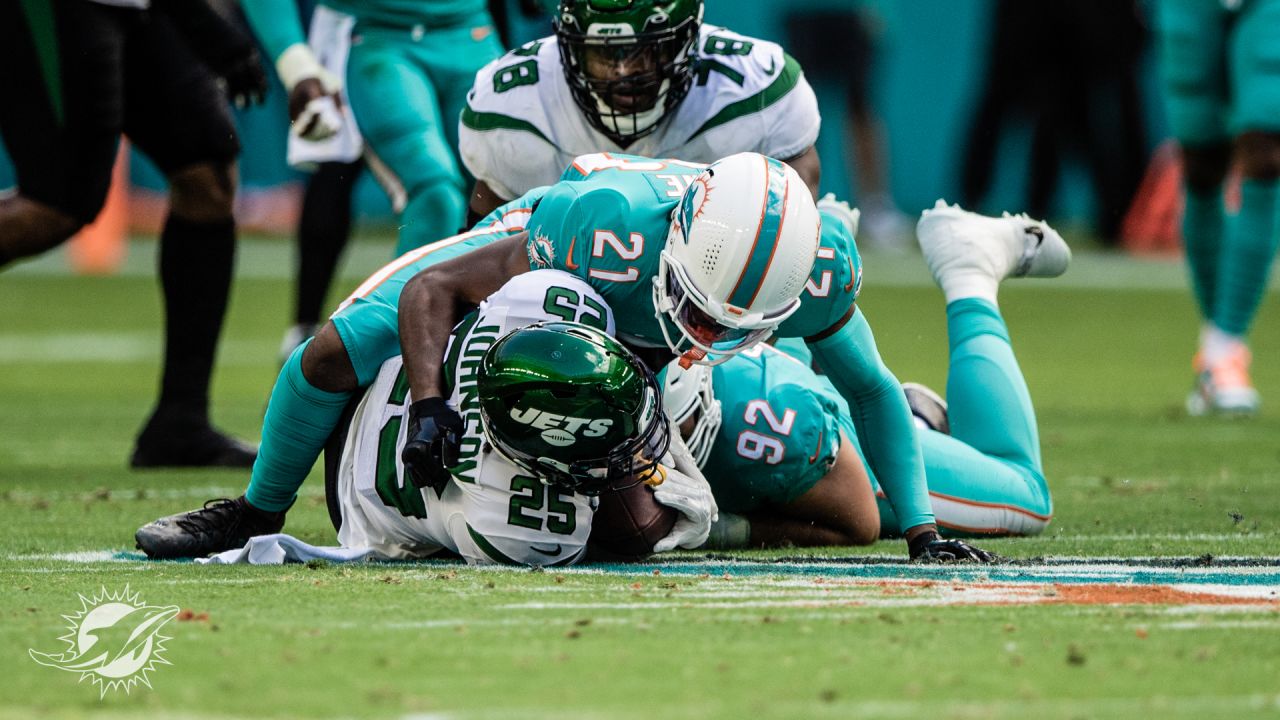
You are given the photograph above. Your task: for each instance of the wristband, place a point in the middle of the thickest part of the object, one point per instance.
(297, 63)
(729, 532)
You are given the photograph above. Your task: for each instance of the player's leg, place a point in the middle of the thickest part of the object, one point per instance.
(323, 231)
(986, 476)
(176, 114)
(61, 117)
(1250, 242)
(398, 110)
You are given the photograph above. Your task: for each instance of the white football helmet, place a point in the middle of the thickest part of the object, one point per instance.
(742, 243)
(686, 392)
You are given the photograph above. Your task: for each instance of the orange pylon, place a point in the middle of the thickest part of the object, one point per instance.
(99, 248)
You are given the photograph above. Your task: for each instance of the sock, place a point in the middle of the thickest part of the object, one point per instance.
(1216, 345)
(323, 231)
(1202, 230)
(1245, 265)
(299, 419)
(196, 261)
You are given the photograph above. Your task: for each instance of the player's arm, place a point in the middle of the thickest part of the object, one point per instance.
(430, 301)
(312, 89)
(809, 168)
(840, 509)
(483, 201)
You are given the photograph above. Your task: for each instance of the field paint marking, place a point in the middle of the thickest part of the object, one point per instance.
(117, 347)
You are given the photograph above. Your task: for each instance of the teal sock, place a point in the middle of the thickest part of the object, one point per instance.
(299, 420)
(988, 403)
(1247, 254)
(1202, 236)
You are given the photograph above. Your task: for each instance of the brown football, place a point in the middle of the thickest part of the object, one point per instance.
(628, 522)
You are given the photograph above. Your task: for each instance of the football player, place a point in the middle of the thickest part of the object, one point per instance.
(696, 261)
(780, 449)
(410, 65)
(1222, 89)
(555, 412)
(646, 78)
(76, 76)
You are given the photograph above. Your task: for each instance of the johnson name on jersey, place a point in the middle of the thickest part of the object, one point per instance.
(520, 126)
(491, 511)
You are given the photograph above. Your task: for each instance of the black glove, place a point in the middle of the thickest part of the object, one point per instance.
(435, 432)
(929, 547)
(245, 81)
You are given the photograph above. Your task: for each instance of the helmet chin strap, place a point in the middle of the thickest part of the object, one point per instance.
(691, 356)
(654, 476)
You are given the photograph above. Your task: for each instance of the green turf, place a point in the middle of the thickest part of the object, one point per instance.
(1106, 355)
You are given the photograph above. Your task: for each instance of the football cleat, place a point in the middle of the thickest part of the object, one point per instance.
(172, 440)
(958, 242)
(928, 409)
(220, 525)
(1224, 387)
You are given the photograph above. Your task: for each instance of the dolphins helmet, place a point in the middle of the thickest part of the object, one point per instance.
(742, 243)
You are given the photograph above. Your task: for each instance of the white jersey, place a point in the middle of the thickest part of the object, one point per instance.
(521, 127)
(491, 511)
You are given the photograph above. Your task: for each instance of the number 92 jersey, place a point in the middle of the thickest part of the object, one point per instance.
(520, 125)
(607, 219)
(490, 511)
(780, 430)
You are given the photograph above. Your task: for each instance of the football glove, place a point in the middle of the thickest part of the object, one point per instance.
(686, 490)
(434, 434)
(929, 547)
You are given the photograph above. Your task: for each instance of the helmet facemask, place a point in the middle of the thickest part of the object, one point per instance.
(689, 399)
(625, 80)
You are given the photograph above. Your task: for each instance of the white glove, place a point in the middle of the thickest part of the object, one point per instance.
(319, 120)
(840, 209)
(686, 490)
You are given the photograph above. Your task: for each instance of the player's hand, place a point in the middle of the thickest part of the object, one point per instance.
(244, 80)
(315, 113)
(929, 547)
(434, 434)
(840, 209)
(691, 495)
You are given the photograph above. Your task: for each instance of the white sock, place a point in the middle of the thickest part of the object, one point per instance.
(957, 285)
(1217, 344)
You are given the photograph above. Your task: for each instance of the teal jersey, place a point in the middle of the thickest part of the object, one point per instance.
(607, 222)
(780, 433)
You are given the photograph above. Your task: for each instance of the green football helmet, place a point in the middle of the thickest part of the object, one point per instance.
(572, 406)
(628, 62)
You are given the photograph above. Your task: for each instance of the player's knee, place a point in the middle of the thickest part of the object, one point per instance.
(204, 192)
(1259, 154)
(1205, 166)
(29, 227)
(326, 364)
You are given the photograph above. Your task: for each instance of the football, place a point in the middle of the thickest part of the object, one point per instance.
(628, 522)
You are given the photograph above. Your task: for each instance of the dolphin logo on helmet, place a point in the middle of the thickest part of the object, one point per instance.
(742, 243)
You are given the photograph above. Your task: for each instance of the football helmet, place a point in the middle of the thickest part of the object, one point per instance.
(627, 62)
(743, 240)
(687, 394)
(572, 406)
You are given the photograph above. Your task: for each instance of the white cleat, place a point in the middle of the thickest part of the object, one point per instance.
(1224, 387)
(958, 242)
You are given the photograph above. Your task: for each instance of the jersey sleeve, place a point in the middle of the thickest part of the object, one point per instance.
(276, 23)
(563, 227)
(833, 284)
(504, 137)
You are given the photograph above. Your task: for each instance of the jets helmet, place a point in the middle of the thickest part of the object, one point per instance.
(687, 395)
(743, 240)
(572, 406)
(628, 62)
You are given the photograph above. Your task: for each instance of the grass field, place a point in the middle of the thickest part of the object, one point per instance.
(1130, 605)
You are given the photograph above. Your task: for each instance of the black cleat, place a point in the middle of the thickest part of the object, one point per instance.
(222, 524)
(189, 444)
(928, 407)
